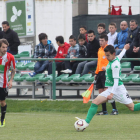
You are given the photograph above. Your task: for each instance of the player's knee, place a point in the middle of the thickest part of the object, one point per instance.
(3, 103)
(95, 102)
(131, 108)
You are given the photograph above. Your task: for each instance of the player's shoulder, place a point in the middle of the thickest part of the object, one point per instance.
(116, 63)
(9, 55)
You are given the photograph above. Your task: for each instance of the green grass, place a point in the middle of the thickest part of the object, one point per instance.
(60, 126)
(58, 106)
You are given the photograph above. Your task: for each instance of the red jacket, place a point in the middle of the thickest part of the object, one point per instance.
(62, 50)
(86, 35)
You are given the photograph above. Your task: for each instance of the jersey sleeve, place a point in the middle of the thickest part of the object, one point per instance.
(12, 62)
(115, 70)
(121, 54)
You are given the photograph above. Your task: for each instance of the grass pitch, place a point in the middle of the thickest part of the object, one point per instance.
(60, 126)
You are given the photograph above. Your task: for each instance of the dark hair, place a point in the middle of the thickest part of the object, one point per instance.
(42, 36)
(104, 36)
(82, 26)
(3, 41)
(133, 20)
(5, 22)
(72, 37)
(60, 39)
(113, 24)
(110, 49)
(101, 25)
(91, 31)
(81, 36)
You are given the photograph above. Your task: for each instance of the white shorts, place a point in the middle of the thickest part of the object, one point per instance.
(121, 95)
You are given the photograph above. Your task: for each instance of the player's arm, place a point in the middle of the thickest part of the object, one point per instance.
(126, 47)
(115, 74)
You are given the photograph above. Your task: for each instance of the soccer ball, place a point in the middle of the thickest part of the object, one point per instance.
(80, 125)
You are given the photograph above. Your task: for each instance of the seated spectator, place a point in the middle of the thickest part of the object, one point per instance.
(92, 49)
(83, 30)
(133, 40)
(44, 49)
(61, 53)
(101, 30)
(121, 37)
(73, 52)
(112, 33)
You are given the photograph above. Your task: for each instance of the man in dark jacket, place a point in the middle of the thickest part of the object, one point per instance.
(1, 34)
(43, 50)
(92, 49)
(11, 37)
(132, 34)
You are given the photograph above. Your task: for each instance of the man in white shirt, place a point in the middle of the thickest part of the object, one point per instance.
(112, 33)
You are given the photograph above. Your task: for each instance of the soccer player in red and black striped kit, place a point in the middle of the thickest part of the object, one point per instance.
(6, 61)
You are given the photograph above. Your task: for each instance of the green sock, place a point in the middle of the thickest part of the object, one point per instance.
(137, 107)
(91, 112)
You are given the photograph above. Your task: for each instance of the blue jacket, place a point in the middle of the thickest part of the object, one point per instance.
(73, 51)
(47, 51)
(121, 39)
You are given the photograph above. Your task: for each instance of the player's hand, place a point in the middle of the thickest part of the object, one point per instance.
(104, 68)
(109, 97)
(136, 49)
(10, 84)
(95, 77)
(64, 55)
(127, 46)
(117, 48)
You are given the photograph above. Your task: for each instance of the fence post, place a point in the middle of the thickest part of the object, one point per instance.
(53, 80)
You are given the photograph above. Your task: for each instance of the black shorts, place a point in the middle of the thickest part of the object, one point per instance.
(100, 80)
(3, 93)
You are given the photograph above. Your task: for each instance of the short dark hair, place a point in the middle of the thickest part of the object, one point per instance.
(133, 20)
(113, 24)
(5, 22)
(81, 36)
(101, 25)
(82, 26)
(42, 36)
(60, 39)
(91, 31)
(3, 41)
(110, 49)
(72, 37)
(104, 36)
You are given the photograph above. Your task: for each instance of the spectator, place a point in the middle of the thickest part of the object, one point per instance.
(112, 33)
(61, 53)
(92, 49)
(11, 37)
(1, 34)
(83, 30)
(132, 33)
(73, 52)
(44, 49)
(101, 29)
(121, 37)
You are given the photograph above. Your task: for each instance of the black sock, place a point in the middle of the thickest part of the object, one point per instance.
(104, 106)
(113, 105)
(3, 112)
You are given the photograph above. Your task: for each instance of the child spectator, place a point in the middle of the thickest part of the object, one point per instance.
(83, 30)
(73, 52)
(61, 53)
(112, 33)
(101, 29)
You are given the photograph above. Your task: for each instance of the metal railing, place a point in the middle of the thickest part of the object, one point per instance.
(66, 59)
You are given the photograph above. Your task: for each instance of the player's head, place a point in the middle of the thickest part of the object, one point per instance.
(43, 38)
(112, 27)
(3, 46)
(103, 39)
(110, 52)
(59, 40)
(91, 35)
(83, 29)
(5, 25)
(101, 28)
(72, 40)
(81, 39)
(133, 24)
(123, 25)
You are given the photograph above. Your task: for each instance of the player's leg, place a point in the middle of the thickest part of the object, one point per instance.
(133, 107)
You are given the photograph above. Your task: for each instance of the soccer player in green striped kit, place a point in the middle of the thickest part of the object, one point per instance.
(116, 90)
